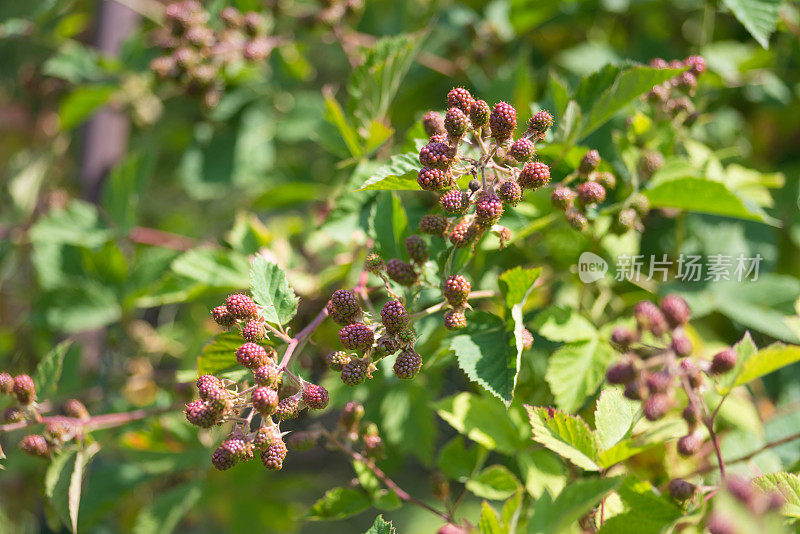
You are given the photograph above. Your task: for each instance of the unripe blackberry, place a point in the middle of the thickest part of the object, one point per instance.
(316, 397)
(649, 318)
(200, 36)
(273, 456)
(456, 123)
(254, 23)
(680, 489)
(351, 415)
(563, 197)
(635, 390)
(386, 345)
(510, 192)
(374, 263)
(354, 372)
(680, 105)
(623, 337)
(723, 362)
(394, 316)
(340, 318)
(686, 81)
(35, 445)
(433, 225)
(218, 401)
(439, 138)
(288, 408)
(454, 202)
(527, 339)
(199, 414)
(658, 63)
(658, 94)
(6, 384)
(675, 64)
(590, 193)
(462, 234)
(436, 155)
(337, 360)
(656, 406)
(417, 249)
(692, 372)
(503, 121)
(577, 220)
(681, 345)
(659, 382)
(266, 375)
(357, 337)
(649, 163)
(626, 219)
(407, 365)
(265, 400)
(621, 373)
(13, 415)
(479, 113)
(689, 444)
(401, 272)
(206, 384)
(460, 98)
(522, 150)
(75, 409)
(607, 180)
(231, 16)
(252, 356)
(241, 306)
(163, 66)
(641, 204)
(675, 310)
(236, 448)
(254, 331)
(474, 185)
(345, 301)
(488, 210)
(455, 290)
(433, 123)
(432, 179)
(455, 320)
(24, 389)
(264, 436)
(691, 414)
(589, 162)
(696, 64)
(534, 175)
(540, 123)
(222, 459)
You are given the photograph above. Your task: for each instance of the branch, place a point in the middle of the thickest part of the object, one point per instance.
(438, 307)
(96, 422)
(767, 446)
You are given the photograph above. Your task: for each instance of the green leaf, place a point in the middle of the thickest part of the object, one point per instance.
(576, 370)
(124, 186)
(485, 353)
(759, 17)
(388, 224)
(334, 114)
(219, 354)
(575, 500)
(484, 420)
(338, 503)
(767, 360)
(788, 485)
(495, 482)
(648, 513)
(613, 417)
(164, 514)
(82, 102)
(558, 323)
(516, 284)
(489, 522)
(381, 527)
(567, 435)
(271, 291)
(48, 372)
(400, 174)
(456, 461)
(407, 421)
(745, 349)
(218, 269)
(542, 471)
(79, 224)
(64, 481)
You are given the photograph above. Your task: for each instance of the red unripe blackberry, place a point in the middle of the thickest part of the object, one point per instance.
(658, 94)
(454, 202)
(265, 435)
(681, 345)
(436, 155)
(522, 150)
(658, 63)
(316, 397)
(235, 447)
(35, 445)
(723, 361)
(680, 489)
(24, 389)
(206, 384)
(621, 373)
(675, 310)
(623, 337)
(340, 318)
(541, 122)
(488, 210)
(373, 446)
(288, 408)
(373, 263)
(649, 318)
(591, 193)
(563, 197)
(354, 372)
(357, 337)
(675, 64)
(218, 401)
(589, 162)
(266, 375)
(503, 121)
(433, 225)
(417, 249)
(455, 320)
(692, 372)
(479, 113)
(455, 290)
(439, 138)
(510, 192)
(252, 356)
(273, 456)
(456, 122)
(222, 459)
(534, 175)
(527, 339)
(635, 390)
(460, 98)
(656, 406)
(577, 220)
(241, 306)
(680, 105)
(199, 414)
(254, 331)
(394, 316)
(462, 234)
(186, 58)
(407, 365)
(689, 444)
(649, 163)
(433, 123)
(696, 64)
(401, 272)
(6, 384)
(76, 409)
(200, 36)
(606, 179)
(337, 360)
(432, 179)
(691, 414)
(231, 16)
(659, 382)
(640, 203)
(265, 400)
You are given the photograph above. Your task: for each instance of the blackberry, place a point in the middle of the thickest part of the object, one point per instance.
(626, 219)
(723, 361)
(218, 401)
(474, 185)
(345, 301)
(35, 445)
(641, 204)
(658, 94)
(241, 306)
(455, 320)
(534, 175)
(590, 193)
(577, 220)
(222, 459)
(436, 155)
(563, 197)
(527, 339)
(288, 408)
(351, 415)
(462, 234)
(433, 225)
(357, 337)
(163, 66)
(13, 415)
(740, 488)
(236, 448)
(254, 23)
(232, 17)
(696, 64)
(407, 365)
(264, 436)
(316, 397)
(24, 389)
(417, 249)
(454, 203)
(675, 64)
(206, 384)
(649, 318)
(432, 179)
(394, 316)
(479, 113)
(717, 524)
(686, 81)
(488, 210)
(692, 372)
(691, 414)
(503, 121)
(200, 36)
(6, 384)
(656, 406)
(460, 98)
(401, 272)
(623, 337)
(354, 372)
(386, 345)
(455, 290)
(75, 409)
(254, 331)
(634, 390)
(540, 123)
(267, 376)
(337, 360)
(439, 138)
(374, 263)
(373, 446)
(273, 456)
(589, 162)
(186, 58)
(649, 163)
(265, 400)
(676, 106)
(199, 414)
(680, 489)
(522, 150)
(510, 192)
(407, 335)
(689, 444)
(658, 63)
(252, 356)
(607, 180)
(621, 373)
(675, 310)
(433, 123)
(659, 382)
(456, 123)
(340, 318)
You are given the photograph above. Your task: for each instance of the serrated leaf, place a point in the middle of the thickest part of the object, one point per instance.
(495, 482)
(759, 17)
(381, 527)
(788, 485)
(489, 522)
(219, 354)
(558, 323)
(338, 503)
(163, 515)
(272, 292)
(516, 283)
(572, 503)
(767, 360)
(388, 224)
(567, 435)
(613, 417)
(48, 372)
(400, 174)
(576, 370)
(64, 481)
(484, 420)
(542, 471)
(648, 513)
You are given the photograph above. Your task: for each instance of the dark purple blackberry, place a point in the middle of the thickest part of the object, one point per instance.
(356, 337)
(401, 272)
(35, 445)
(659, 382)
(460, 98)
(456, 123)
(374, 263)
(417, 249)
(503, 121)
(241, 306)
(24, 390)
(431, 179)
(474, 185)
(454, 202)
(266, 375)
(76, 409)
(254, 331)
(407, 365)
(540, 123)
(696, 64)
(621, 373)
(199, 414)
(337, 360)
(692, 372)
(288, 408)
(623, 337)
(265, 400)
(589, 162)
(656, 406)
(316, 397)
(635, 390)
(222, 459)
(649, 163)
(527, 339)
(675, 310)
(649, 318)
(577, 220)
(339, 318)
(723, 361)
(436, 155)
(691, 414)
(206, 384)
(345, 301)
(454, 320)
(563, 197)
(606, 179)
(689, 444)
(680, 489)
(479, 113)
(534, 175)
(274, 455)
(433, 225)
(6, 384)
(590, 193)
(455, 290)
(510, 192)
(354, 372)
(522, 150)
(394, 316)
(488, 209)
(252, 356)
(433, 123)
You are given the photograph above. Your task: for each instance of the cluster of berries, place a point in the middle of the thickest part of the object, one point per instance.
(198, 54)
(352, 429)
(590, 191)
(334, 12)
(671, 96)
(752, 501)
(653, 375)
(276, 395)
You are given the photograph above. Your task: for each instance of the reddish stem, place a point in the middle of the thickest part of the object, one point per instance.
(96, 422)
